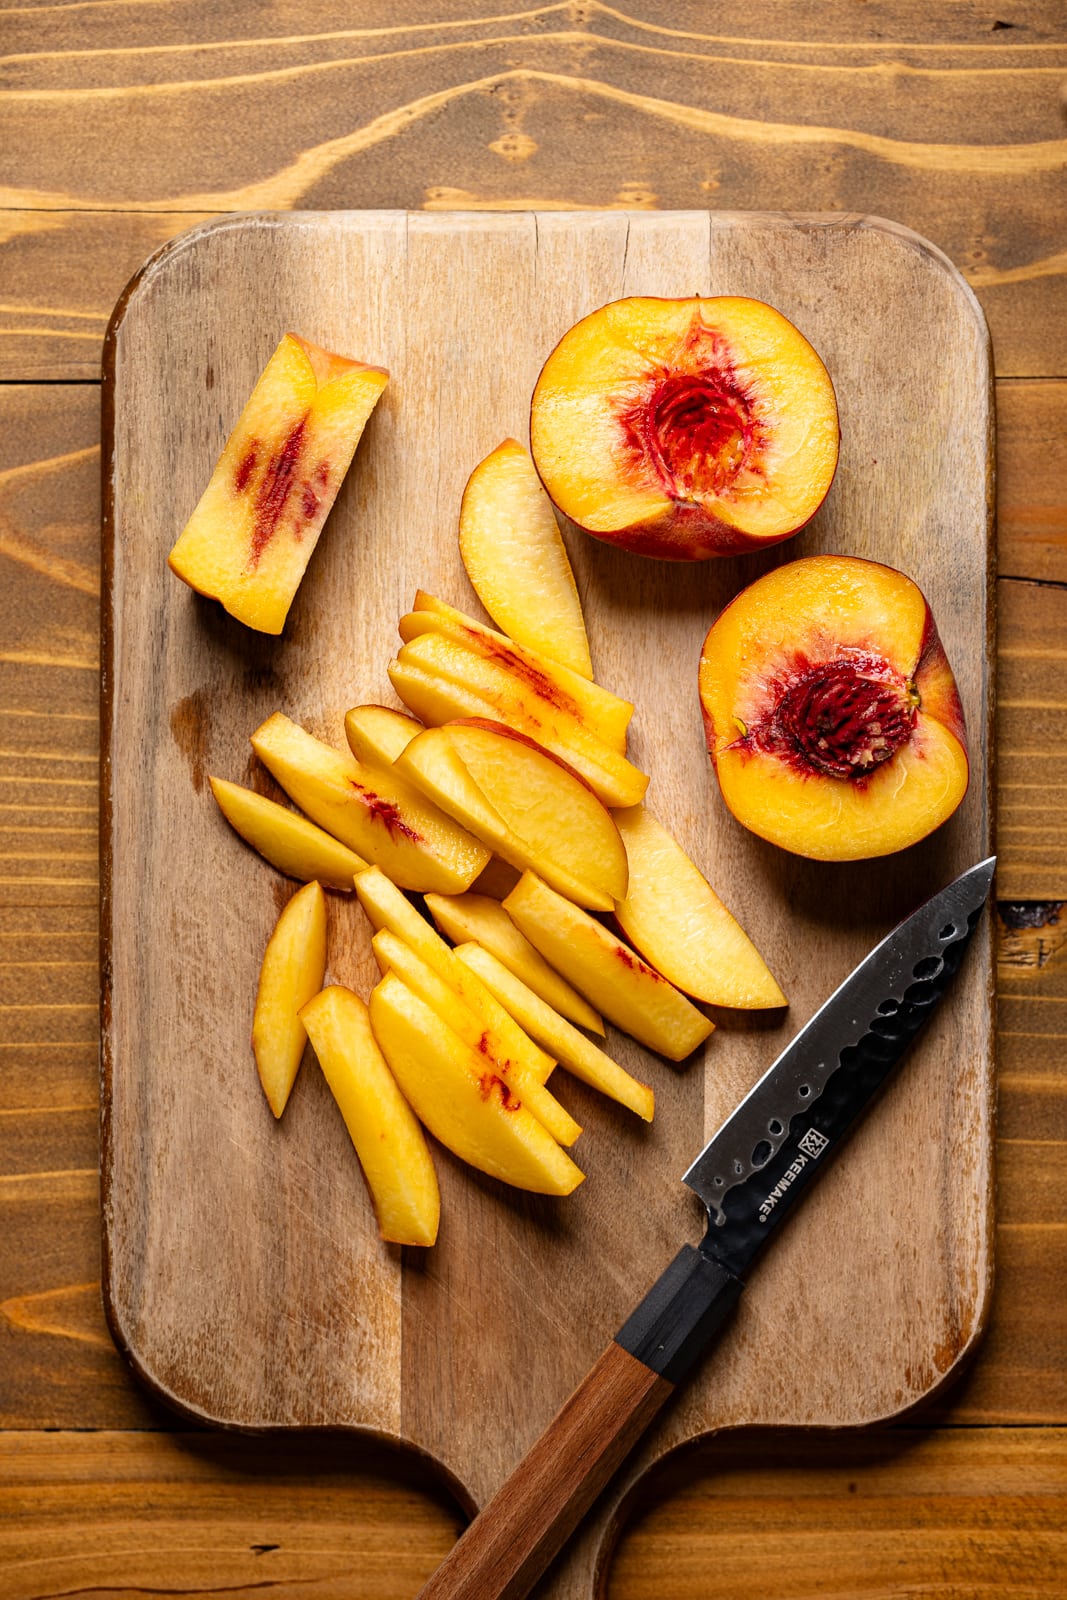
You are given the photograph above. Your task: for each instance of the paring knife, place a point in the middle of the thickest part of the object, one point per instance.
(750, 1176)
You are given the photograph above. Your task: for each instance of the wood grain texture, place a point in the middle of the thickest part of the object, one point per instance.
(117, 112)
(1032, 481)
(964, 1513)
(239, 1355)
(1032, 741)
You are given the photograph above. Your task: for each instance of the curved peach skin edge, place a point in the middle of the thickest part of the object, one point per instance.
(690, 533)
(685, 532)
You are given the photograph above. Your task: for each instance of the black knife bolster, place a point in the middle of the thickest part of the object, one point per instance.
(680, 1314)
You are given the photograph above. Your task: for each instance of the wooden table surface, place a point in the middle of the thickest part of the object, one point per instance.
(123, 122)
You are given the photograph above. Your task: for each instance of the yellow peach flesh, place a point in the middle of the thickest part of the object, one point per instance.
(386, 907)
(476, 918)
(626, 989)
(540, 676)
(516, 560)
(578, 1054)
(376, 813)
(391, 1147)
(463, 1103)
(293, 966)
(450, 681)
(288, 841)
(826, 625)
(677, 921)
(393, 955)
(685, 428)
(251, 536)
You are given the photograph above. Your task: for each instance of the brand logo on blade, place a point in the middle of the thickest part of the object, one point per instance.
(812, 1146)
(813, 1143)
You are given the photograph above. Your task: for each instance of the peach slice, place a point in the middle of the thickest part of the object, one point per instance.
(251, 536)
(475, 918)
(685, 428)
(293, 968)
(540, 677)
(577, 1053)
(288, 841)
(377, 735)
(386, 907)
(462, 1101)
(679, 924)
(516, 560)
(449, 682)
(831, 712)
(626, 989)
(378, 814)
(391, 1146)
(525, 805)
(393, 955)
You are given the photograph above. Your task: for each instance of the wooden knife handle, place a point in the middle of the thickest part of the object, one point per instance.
(532, 1515)
(530, 1518)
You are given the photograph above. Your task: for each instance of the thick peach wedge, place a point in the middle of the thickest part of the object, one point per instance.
(391, 1146)
(378, 814)
(377, 735)
(251, 536)
(523, 804)
(677, 921)
(542, 678)
(386, 907)
(831, 713)
(476, 918)
(288, 841)
(393, 955)
(462, 1101)
(293, 967)
(626, 989)
(516, 560)
(577, 1053)
(441, 680)
(685, 428)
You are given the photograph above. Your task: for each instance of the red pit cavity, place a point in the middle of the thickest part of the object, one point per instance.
(843, 718)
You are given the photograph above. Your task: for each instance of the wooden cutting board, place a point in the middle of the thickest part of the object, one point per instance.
(243, 1273)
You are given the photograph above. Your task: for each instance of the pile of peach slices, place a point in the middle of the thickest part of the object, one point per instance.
(681, 429)
(520, 845)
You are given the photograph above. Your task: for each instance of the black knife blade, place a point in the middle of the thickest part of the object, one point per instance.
(750, 1175)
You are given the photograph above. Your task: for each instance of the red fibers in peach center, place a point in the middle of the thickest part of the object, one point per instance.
(695, 423)
(841, 718)
(696, 433)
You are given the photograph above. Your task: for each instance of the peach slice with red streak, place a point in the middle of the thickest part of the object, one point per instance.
(685, 428)
(831, 713)
(540, 676)
(250, 538)
(378, 814)
(629, 992)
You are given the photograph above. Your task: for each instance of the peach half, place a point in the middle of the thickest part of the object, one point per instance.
(685, 429)
(831, 713)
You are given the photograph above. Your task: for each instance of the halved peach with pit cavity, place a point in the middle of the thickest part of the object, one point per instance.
(830, 709)
(685, 428)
